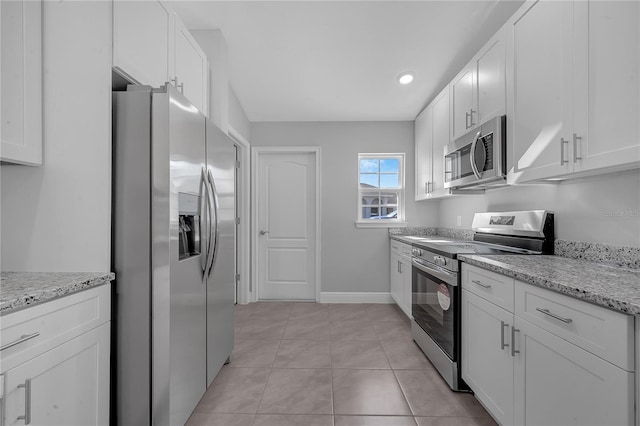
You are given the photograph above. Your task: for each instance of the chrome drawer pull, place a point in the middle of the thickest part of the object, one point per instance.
(552, 315)
(513, 341)
(480, 284)
(22, 338)
(502, 343)
(27, 402)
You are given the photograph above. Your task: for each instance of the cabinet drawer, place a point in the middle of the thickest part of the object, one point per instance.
(396, 247)
(56, 321)
(601, 331)
(493, 287)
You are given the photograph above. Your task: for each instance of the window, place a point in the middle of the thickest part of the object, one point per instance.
(380, 190)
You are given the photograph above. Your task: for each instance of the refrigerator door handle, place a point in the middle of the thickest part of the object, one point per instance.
(211, 221)
(215, 229)
(204, 223)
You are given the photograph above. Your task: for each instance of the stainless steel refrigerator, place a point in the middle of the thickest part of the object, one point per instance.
(173, 255)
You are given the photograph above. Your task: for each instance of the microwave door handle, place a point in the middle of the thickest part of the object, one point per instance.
(472, 156)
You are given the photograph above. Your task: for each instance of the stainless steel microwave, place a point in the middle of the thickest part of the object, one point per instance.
(478, 159)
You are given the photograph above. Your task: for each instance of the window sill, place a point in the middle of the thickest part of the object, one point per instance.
(380, 224)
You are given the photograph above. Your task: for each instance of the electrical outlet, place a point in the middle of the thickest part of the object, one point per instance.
(459, 220)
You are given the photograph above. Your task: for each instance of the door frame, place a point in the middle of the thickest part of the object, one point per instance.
(255, 154)
(243, 241)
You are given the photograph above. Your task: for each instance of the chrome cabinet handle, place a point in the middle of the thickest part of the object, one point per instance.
(27, 402)
(466, 120)
(471, 112)
(562, 160)
(552, 315)
(426, 188)
(480, 284)
(513, 341)
(576, 138)
(181, 88)
(263, 232)
(22, 339)
(502, 343)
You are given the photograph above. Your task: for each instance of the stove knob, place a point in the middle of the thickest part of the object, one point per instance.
(416, 252)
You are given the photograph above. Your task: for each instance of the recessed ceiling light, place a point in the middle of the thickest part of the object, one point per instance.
(405, 78)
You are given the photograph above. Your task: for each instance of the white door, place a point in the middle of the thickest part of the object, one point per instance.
(286, 225)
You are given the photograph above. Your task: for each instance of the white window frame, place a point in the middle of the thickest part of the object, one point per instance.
(398, 222)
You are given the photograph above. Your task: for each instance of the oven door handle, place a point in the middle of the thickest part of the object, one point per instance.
(450, 278)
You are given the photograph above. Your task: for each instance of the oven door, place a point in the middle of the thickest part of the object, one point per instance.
(435, 304)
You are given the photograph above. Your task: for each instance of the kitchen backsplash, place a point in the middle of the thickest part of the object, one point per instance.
(624, 257)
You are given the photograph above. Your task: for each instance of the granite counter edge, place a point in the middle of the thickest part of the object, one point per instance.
(47, 294)
(571, 291)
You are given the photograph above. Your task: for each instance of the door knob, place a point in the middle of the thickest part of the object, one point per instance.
(263, 232)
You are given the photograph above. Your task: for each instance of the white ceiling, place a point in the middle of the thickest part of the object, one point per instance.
(339, 60)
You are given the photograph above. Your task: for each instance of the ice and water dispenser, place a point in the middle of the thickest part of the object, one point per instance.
(188, 225)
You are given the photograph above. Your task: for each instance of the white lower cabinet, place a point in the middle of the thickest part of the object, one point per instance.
(400, 275)
(487, 363)
(553, 372)
(68, 385)
(56, 362)
(558, 383)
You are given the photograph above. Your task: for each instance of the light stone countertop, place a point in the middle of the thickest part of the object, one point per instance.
(612, 287)
(19, 290)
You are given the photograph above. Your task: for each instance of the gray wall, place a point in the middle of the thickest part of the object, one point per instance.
(57, 217)
(353, 259)
(603, 209)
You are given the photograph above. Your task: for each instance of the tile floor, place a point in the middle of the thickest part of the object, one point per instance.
(310, 364)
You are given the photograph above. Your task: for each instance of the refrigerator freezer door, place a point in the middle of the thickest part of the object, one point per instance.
(221, 157)
(185, 126)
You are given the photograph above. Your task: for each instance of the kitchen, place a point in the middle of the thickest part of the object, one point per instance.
(57, 217)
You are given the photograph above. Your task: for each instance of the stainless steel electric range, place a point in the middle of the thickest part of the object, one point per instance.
(436, 282)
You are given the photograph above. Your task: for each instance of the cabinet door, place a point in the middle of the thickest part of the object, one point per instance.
(68, 385)
(463, 115)
(21, 82)
(423, 140)
(191, 67)
(539, 93)
(557, 383)
(141, 41)
(441, 129)
(489, 77)
(487, 364)
(396, 280)
(405, 273)
(607, 91)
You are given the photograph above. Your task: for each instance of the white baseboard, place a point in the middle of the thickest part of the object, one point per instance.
(348, 297)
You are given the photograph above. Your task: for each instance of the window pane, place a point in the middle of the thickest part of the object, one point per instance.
(390, 165)
(368, 180)
(389, 198)
(369, 165)
(390, 212)
(389, 180)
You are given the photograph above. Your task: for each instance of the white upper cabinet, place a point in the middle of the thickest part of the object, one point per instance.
(462, 102)
(440, 139)
(540, 69)
(607, 88)
(21, 87)
(478, 91)
(188, 66)
(573, 91)
(152, 46)
(423, 142)
(141, 41)
(431, 136)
